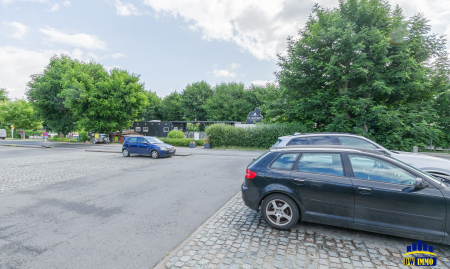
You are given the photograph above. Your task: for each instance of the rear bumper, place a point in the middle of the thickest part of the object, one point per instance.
(250, 197)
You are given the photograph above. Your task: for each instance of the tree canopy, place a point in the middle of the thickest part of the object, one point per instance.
(18, 113)
(193, 99)
(364, 68)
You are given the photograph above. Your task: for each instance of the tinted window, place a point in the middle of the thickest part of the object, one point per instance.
(154, 140)
(285, 161)
(370, 168)
(321, 163)
(356, 142)
(299, 141)
(142, 141)
(322, 140)
(132, 140)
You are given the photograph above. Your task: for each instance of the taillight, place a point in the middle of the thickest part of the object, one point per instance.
(250, 174)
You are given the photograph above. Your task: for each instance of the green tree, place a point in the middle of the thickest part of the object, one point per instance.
(170, 107)
(231, 102)
(45, 95)
(193, 99)
(4, 94)
(18, 113)
(150, 112)
(101, 101)
(363, 68)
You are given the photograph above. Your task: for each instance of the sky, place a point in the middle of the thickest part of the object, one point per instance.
(169, 43)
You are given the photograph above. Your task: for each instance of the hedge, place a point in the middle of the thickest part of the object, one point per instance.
(175, 134)
(261, 136)
(182, 142)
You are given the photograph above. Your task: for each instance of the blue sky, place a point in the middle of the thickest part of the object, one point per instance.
(170, 43)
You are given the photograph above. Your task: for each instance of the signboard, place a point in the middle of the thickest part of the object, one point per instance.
(254, 116)
(45, 134)
(12, 127)
(21, 132)
(96, 135)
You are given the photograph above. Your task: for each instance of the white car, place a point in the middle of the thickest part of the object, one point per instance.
(3, 134)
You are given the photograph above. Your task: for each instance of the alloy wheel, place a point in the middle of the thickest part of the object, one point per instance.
(279, 212)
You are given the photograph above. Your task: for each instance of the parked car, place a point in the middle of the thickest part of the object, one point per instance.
(438, 167)
(347, 187)
(3, 134)
(147, 145)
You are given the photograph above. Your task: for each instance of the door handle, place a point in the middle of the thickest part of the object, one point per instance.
(364, 190)
(299, 180)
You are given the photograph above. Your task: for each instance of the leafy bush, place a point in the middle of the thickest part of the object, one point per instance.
(182, 142)
(58, 139)
(261, 136)
(175, 134)
(83, 136)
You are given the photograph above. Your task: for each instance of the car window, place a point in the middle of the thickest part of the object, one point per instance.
(365, 167)
(154, 140)
(322, 140)
(132, 140)
(321, 163)
(299, 141)
(285, 161)
(356, 142)
(142, 141)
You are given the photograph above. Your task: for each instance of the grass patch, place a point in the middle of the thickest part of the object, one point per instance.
(241, 148)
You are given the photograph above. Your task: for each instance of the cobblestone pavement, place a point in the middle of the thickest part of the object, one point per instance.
(23, 172)
(238, 237)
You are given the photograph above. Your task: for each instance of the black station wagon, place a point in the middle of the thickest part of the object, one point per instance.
(348, 187)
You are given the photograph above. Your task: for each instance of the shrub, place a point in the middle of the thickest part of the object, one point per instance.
(175, 134)
(261, 136)
(182, 142)
(83, 136)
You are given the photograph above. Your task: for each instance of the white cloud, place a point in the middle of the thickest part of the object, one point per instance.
(226, 72)
(77, 40)
(117, 55)
(16, 29)
(262, 26)
(66, 3)
(55, 7)
(22, 63)
(126, 9)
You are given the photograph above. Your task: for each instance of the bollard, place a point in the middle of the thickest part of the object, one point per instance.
(415, 149)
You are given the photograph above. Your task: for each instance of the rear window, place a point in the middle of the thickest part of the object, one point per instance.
(322, 140)
(300, 141)
(321, 163)
(285, 161)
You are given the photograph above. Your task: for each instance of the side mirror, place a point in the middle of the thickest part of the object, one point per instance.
(420, 184)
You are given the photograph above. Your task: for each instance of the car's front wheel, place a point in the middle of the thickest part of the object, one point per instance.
(126, 153)
(154, 154)
(280, 211)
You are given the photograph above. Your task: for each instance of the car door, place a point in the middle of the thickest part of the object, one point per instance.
(133, 145)
(386, 201)
(324, 188)
(143, 146)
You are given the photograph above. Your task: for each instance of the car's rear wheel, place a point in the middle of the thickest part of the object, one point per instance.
(126, 153)
(154, 154)
(280, 211)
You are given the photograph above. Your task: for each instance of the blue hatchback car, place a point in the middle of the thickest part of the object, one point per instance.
(147, 145)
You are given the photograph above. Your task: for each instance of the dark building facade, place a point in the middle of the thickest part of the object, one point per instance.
(154, 128)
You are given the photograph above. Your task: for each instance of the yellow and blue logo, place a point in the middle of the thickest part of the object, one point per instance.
(415, 255)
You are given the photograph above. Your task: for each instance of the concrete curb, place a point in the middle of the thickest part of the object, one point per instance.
(110, 151)
(23, 146)
(180, 246)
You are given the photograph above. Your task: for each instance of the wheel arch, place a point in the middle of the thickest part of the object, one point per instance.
(288, 194)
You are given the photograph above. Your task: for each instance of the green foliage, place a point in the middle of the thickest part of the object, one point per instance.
(18, 113)
(4, 94)
(45, 94)
(170, 107)
(58, 139)
(182, 142)
(363, 68)
(83, 136)
(231, 102)
(150, 111)
(261, 136)
(193, 99)
(70, 93)
(175, 134)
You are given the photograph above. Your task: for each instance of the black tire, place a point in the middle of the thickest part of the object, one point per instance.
(154, 154)
(276, 217)
(126, 153)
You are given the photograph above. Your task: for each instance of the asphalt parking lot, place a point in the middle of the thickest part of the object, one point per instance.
(71, 208)
(68, 208)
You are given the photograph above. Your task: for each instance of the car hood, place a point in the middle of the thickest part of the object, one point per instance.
(423, 162)
(164, 145)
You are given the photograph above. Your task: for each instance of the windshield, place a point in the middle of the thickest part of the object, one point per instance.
(420, 171)
(154, 140)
